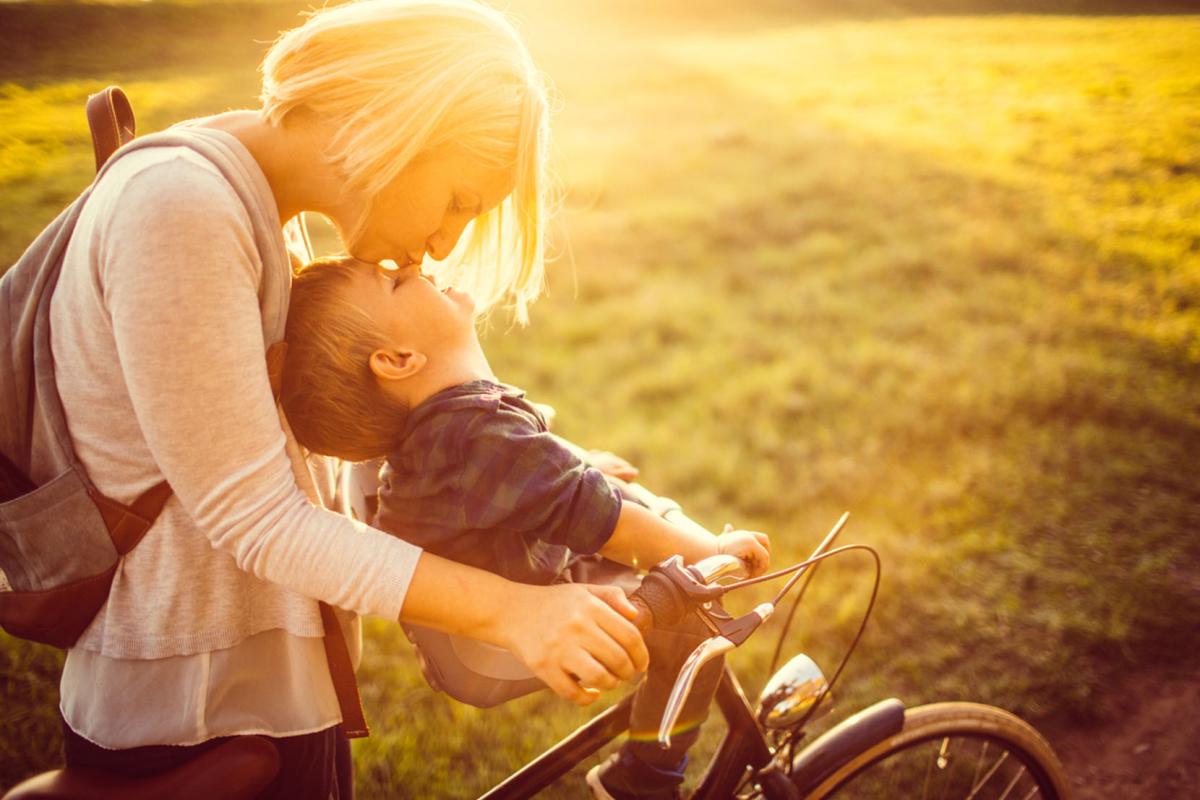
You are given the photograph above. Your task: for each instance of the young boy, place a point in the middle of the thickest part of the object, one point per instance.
(384, 363)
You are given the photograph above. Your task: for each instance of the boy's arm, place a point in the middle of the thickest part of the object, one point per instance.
(642, 539)
(518, 479)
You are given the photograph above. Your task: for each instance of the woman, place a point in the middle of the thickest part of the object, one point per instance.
(409, 125)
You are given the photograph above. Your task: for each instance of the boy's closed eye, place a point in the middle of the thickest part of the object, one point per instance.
(406, 275)
(399, 276)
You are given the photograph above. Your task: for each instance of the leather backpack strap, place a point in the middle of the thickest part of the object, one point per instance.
(127, 524)
(341, 670)
(337, 652)
(110, 118)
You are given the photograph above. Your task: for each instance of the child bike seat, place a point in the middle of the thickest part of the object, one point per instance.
(470, 671)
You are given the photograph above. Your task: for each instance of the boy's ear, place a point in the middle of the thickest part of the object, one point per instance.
(395, 364)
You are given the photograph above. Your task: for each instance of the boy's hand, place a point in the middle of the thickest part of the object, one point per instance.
(612, 465)
(752, 547)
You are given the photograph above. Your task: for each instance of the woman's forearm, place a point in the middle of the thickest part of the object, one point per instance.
(455, 598)
(642, 539)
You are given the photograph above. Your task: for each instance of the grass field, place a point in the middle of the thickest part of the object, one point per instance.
(943, 272)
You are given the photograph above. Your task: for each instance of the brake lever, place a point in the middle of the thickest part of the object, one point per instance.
(707, 651)
(731, 632)
(738, 630)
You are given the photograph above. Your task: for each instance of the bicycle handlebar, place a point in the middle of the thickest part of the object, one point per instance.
(671, 591)
(668, 594)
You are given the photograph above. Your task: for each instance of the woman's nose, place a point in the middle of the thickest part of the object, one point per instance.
(443, 240)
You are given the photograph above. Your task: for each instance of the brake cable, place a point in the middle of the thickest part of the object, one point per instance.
(799, 570)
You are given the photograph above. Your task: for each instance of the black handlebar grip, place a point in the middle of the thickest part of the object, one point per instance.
(644, 621)
(662, 600)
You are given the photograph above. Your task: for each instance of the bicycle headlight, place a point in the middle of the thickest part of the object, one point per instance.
(790, 693)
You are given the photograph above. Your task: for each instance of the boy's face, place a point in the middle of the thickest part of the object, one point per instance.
(412, 311)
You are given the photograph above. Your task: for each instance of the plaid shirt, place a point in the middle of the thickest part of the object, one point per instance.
(477, 478)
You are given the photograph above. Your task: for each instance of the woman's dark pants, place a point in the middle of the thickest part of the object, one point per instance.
(313, 766)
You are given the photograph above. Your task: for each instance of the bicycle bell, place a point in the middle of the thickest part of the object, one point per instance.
(790, 693)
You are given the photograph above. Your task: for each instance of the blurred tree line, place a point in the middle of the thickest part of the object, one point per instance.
(37, 38)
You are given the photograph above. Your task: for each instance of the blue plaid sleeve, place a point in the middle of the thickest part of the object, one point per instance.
(424, 506)
(518, 478)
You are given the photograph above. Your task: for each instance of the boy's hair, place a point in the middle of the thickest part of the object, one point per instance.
(332, 400)
(395, 79)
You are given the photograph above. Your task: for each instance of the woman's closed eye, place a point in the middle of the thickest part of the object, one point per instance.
(461, 205)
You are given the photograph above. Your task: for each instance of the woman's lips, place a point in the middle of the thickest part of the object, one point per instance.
(405, 261)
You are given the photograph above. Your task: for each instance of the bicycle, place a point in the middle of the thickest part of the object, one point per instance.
(953, 749)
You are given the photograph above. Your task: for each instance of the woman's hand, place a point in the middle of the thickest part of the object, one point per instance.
(752, 547)
(577, 638)
(573, 636)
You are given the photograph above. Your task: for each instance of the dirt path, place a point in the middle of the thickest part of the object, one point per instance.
(1148, 745)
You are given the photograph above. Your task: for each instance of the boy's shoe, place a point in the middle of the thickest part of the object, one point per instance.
(614, 790)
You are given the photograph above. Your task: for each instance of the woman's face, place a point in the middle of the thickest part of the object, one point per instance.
(427, 206)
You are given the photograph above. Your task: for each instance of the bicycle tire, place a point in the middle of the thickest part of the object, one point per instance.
(970, 722)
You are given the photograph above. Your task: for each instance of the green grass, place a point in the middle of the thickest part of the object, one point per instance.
(941, 272)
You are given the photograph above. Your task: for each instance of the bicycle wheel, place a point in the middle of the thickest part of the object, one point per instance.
(952, 750)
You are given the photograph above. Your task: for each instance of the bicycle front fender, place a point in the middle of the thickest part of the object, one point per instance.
(845, 740)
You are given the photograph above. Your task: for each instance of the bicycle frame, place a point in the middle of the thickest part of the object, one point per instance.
(743, 746)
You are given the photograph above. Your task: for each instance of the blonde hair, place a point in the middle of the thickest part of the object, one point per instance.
(333, 402)
(398, 78)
